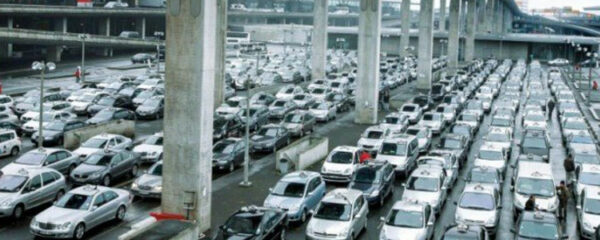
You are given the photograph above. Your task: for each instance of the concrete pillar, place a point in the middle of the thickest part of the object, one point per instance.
(9, 47)
(54, 53)
(369, 35)
(425, 47)
(507, 20)
(140, 26)
(470, 36)
(453, 36)
(405, 34)
(481, 16)
(105, 31)
(60, 25)
(190, 70)
(498, 17)
(220, 55)
(463, 16)
(442, 20)
(319, 39)
(489, 19)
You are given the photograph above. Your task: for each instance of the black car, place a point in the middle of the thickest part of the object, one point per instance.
(118, 101)
(110, 114)
(438, 91)
(228, 153)
(54, 132)
(253, 223)
(465, 232)
(375, 180)
(223, 127)
(424, 101)
(269, 138)
(12, 126)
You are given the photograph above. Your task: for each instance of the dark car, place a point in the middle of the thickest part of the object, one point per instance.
(54, 132)
(104, 166)
(535, 142)
(464, 130)
(224, 127)
(424, 101)
(152, 108)
(269, 138)
(538, 225)
(465, 232)
(299, 123)
(110, 114)
(12, 126)
(143, 58)
(228, 153)
(375, 180)
(110, 101)
(340, 100)
(254, 223)
(438, 91)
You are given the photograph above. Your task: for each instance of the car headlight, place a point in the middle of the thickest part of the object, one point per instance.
(294, 208)
(347, 171)
(34, 223)
(134, 185)
(64, 226)
(6, 203)
(157, 188)
(323, 169)
(490, 221)
(343, 233)
(374, 193)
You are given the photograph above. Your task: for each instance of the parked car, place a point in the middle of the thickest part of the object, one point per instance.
(401, 152)
(297, 193)
(105, 166)
(228, 153)
(103, 142)
(462, 231)
(109, 102)
(479, 205)
(111, 114)
(149, 185)
(340, 164)
(151, 150)
(323, 111)
(225, 127)
(408, 220)
(342, 214)
(427, 185)
(423, 135)
(270, 138)
(10, 143)
(538, 225)
(298, 123)
(58, 159)
(151, 108)
(375, 180)
(254, 223)
(279, 108)
(54, 132)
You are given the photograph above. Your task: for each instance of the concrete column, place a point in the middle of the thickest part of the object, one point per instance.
(54, 53)
(9, 47)
(442, 20)
(498, 17)
(453, 36)
(405, 34)
(463, 16)
(369, 35)
(480, 16)
(470, 36)
(319, 39)
(425, 47)
(190, 70)
(105, 31)
(489, 19)
(140, 26)
(60, 25)
(220, 53)
(507, 20)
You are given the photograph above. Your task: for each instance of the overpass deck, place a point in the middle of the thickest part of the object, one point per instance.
(38, 37)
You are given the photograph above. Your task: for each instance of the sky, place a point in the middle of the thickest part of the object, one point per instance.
(576, 4)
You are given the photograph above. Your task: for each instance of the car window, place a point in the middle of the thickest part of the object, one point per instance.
(62, 155)
(119, 140)
(117, 158)
(48, 178)
(35, 183)
(6, 137)
(99, 201)
(52, 158)
(109, 196)
(269, 220)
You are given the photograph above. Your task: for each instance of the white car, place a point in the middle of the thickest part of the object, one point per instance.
(116, 4)
(288, 92)
(151, 150)
(413, 111)
(448, 111)
(408, 220)
(573, 126)
(318, 83)
(423, 135)
(47, 117)
(534, 178)
(534, 120)
(372, 138)
(499, 137)
(341, 214)
(491, 156)
(6, 101)
(588, 213)
(340, 164)
(426, 184)
(395, 122)
(434, 121)
(469, 118)
(10, 143)
(320, 93)
(401, 151)
(479, 204)
(103, 142)
(323, 111)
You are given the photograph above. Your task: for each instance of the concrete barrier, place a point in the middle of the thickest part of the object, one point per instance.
(75, 137)
(304, 152)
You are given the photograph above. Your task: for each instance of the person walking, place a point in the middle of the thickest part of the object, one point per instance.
(386, 100)
(563, 196)
(569, 166)
(364, 156)
(381, 105)
(530, 204)
(550, 108)
(77, 74)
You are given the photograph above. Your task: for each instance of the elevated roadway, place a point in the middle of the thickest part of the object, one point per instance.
(38, 37)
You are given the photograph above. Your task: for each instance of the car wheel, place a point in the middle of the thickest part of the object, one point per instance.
(14, 151)
(231, 166)
(18, 211)
(134, 171)
(303, 216)
(121, 213)
(106, 181)
(79, 231)
(59, 195)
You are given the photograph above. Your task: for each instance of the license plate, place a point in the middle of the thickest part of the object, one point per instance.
(44, 232)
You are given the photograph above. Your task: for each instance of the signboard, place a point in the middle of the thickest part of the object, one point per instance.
(85, 3)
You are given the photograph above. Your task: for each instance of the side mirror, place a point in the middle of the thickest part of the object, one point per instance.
(357, 215)
(444, 188)
(578, 207)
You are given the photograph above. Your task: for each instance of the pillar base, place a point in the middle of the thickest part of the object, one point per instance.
(54, 54)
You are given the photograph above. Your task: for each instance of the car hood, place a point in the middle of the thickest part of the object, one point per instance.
(221, 156)
(260, 138)
(497, 164)
(145, 109)
(394, 160)
(542, 203)
(147, 148)
(46, 133)
(149, 180)
(368, 141)
(282, 202)
(56, 215)
(430, 197)
(479, 217)
(86, 151)
(336, 168)
(6, 196)
(328, 227)
(404, 233)
(592, 219)
(96, 108)
(79, 104)
(86, 169)
(15, 167)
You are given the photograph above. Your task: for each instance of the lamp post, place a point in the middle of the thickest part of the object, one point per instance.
(83, 37)
(246, 182)
(159, 36)
(42, 66)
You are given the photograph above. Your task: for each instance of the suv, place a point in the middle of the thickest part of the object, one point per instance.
(340, 164)
(426, 184)
(479, 205)
(408, 220)
(342, 214)
(534, 178)
(297, 194)
(375, 180)
(401, 151)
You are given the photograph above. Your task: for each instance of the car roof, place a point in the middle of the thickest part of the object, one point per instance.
(299, 176)
(592, 193)
(342, 195)
(28, 172)
(535, 169)
(47, 150)
(345, 148)
(89, 190)
(410, 205)
(479, 188)
(427, 171)
(539, 216)
(587, 167)
(375, 128)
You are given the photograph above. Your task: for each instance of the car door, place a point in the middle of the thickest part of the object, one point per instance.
(429, 221)
(96, 211)
(109, 209)
(118, 167)
(50, 186)
(312, 194)
(5, 142)
(267, 225)
(360, 215)
(120, 143)
(53, 162)
(239, 153)
(32, 193)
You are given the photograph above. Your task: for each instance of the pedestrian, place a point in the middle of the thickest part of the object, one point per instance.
(595, 85)
(569, 166)
(78, 74)
(550, 108)
(381, 101)
(364, 156)
(563, 196)
(386, 100)
(530, 204)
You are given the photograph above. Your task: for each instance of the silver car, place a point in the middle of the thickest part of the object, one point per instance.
(24, 189)
(80, 210)
(58, 159)
(342, 214)
(408, 220)
(149, 185)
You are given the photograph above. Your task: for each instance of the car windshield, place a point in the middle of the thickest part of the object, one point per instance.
(106, 101)
(319, 106)
(333, 211)
(451, 143)
(98, 160)
(498, 137)
(374, 134)
(589, 178)
(47, 117)
(426, 184)
(243, 224)
(318, 91)
(104, 114)
(408, 108)
(156, 170)
(477, 201)
(538, 230)
(582, 139)
(11, 183)
(468, 118)
(299, 97)
(576, 125)
(289, 189)
(392, 120)
(271, 132)
(535, 117)
(279, 104)
(289, 90)
(592, 206)
(31, 158)
(586, 158)
(483, 177)
(462, 130)
(430, 117)
(501, 122)
(340, 157)
(154, 140)
(223, 147)
(490, 155)
(406, 219)
(394, 149)
(534, 142)
(74, 201)
(55, 126)
(95, 143)
(233, 103)
(366, 175)
(535, 186)
(293, 118)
